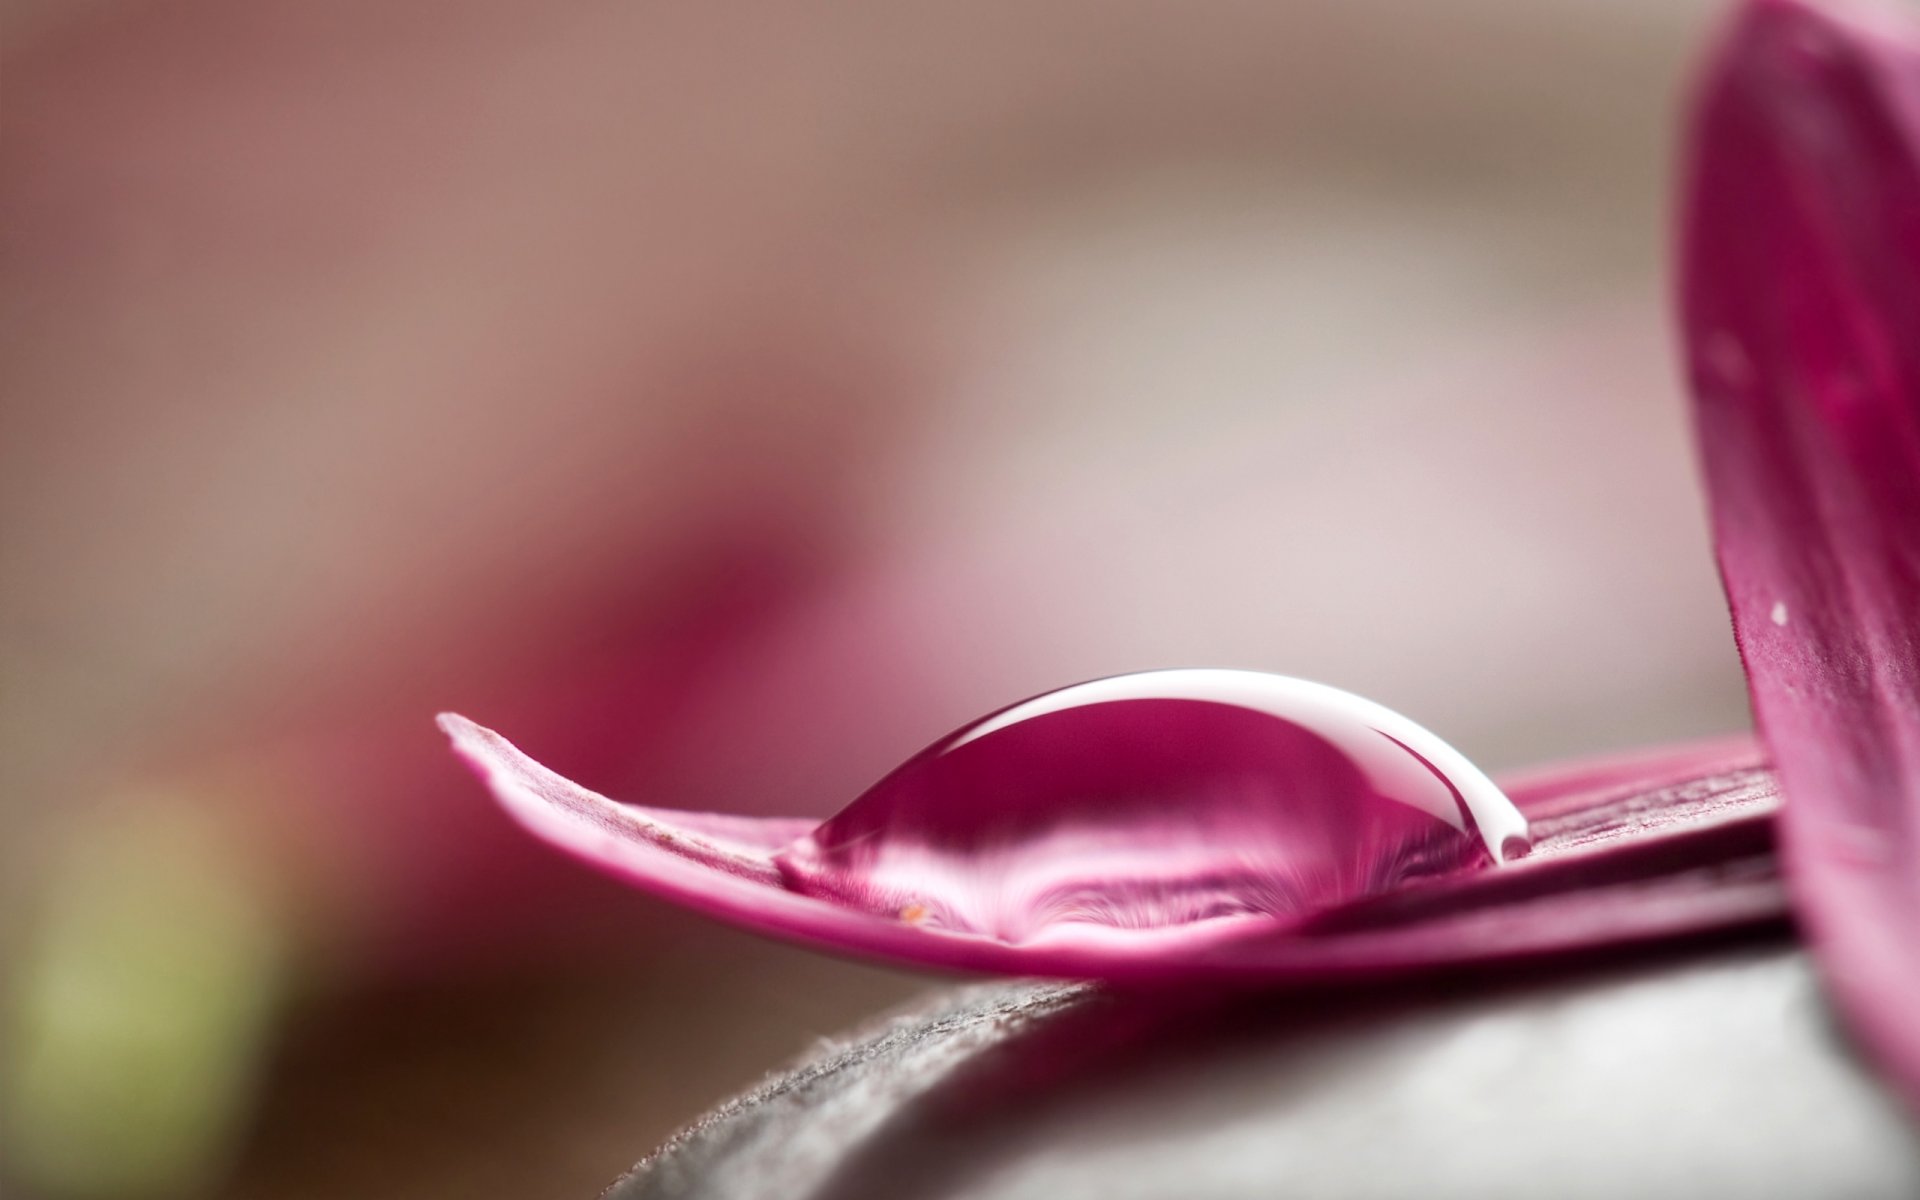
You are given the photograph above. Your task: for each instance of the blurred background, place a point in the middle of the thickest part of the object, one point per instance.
(724, 401)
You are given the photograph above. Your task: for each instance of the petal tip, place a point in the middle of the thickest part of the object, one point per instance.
(476, 745)
(456, 727)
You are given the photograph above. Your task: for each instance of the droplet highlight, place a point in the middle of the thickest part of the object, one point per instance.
(1159, 802)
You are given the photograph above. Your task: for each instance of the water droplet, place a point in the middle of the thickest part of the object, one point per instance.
(1862, 846)
(1779, 613)
(1726, 360)
(1156, 802)
(1812, 49)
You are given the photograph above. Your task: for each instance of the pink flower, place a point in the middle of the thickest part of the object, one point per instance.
(1189, 826)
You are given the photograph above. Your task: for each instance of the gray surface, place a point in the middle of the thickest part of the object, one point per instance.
(1711, 1075)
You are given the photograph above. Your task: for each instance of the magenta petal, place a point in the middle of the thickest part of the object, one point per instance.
(1177, 895)
(1801, 304)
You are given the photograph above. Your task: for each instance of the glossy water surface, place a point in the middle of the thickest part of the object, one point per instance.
(1155, 801)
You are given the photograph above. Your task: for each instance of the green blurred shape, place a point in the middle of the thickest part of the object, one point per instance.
(140, 1010)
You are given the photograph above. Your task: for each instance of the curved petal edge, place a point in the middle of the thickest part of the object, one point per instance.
(1800, 302)
(1665, 844)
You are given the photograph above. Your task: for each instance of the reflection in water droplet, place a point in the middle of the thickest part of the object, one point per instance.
(1156, 801)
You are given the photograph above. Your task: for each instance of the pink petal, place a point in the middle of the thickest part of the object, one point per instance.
(1001, 866)
(1801, 304)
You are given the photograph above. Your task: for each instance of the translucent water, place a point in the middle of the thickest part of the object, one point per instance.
(1155, 802)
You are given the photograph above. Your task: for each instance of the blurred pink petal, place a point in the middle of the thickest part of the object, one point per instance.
(1801, 302)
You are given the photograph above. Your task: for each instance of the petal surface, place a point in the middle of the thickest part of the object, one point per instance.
(1664, 844)
(1801, 308)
